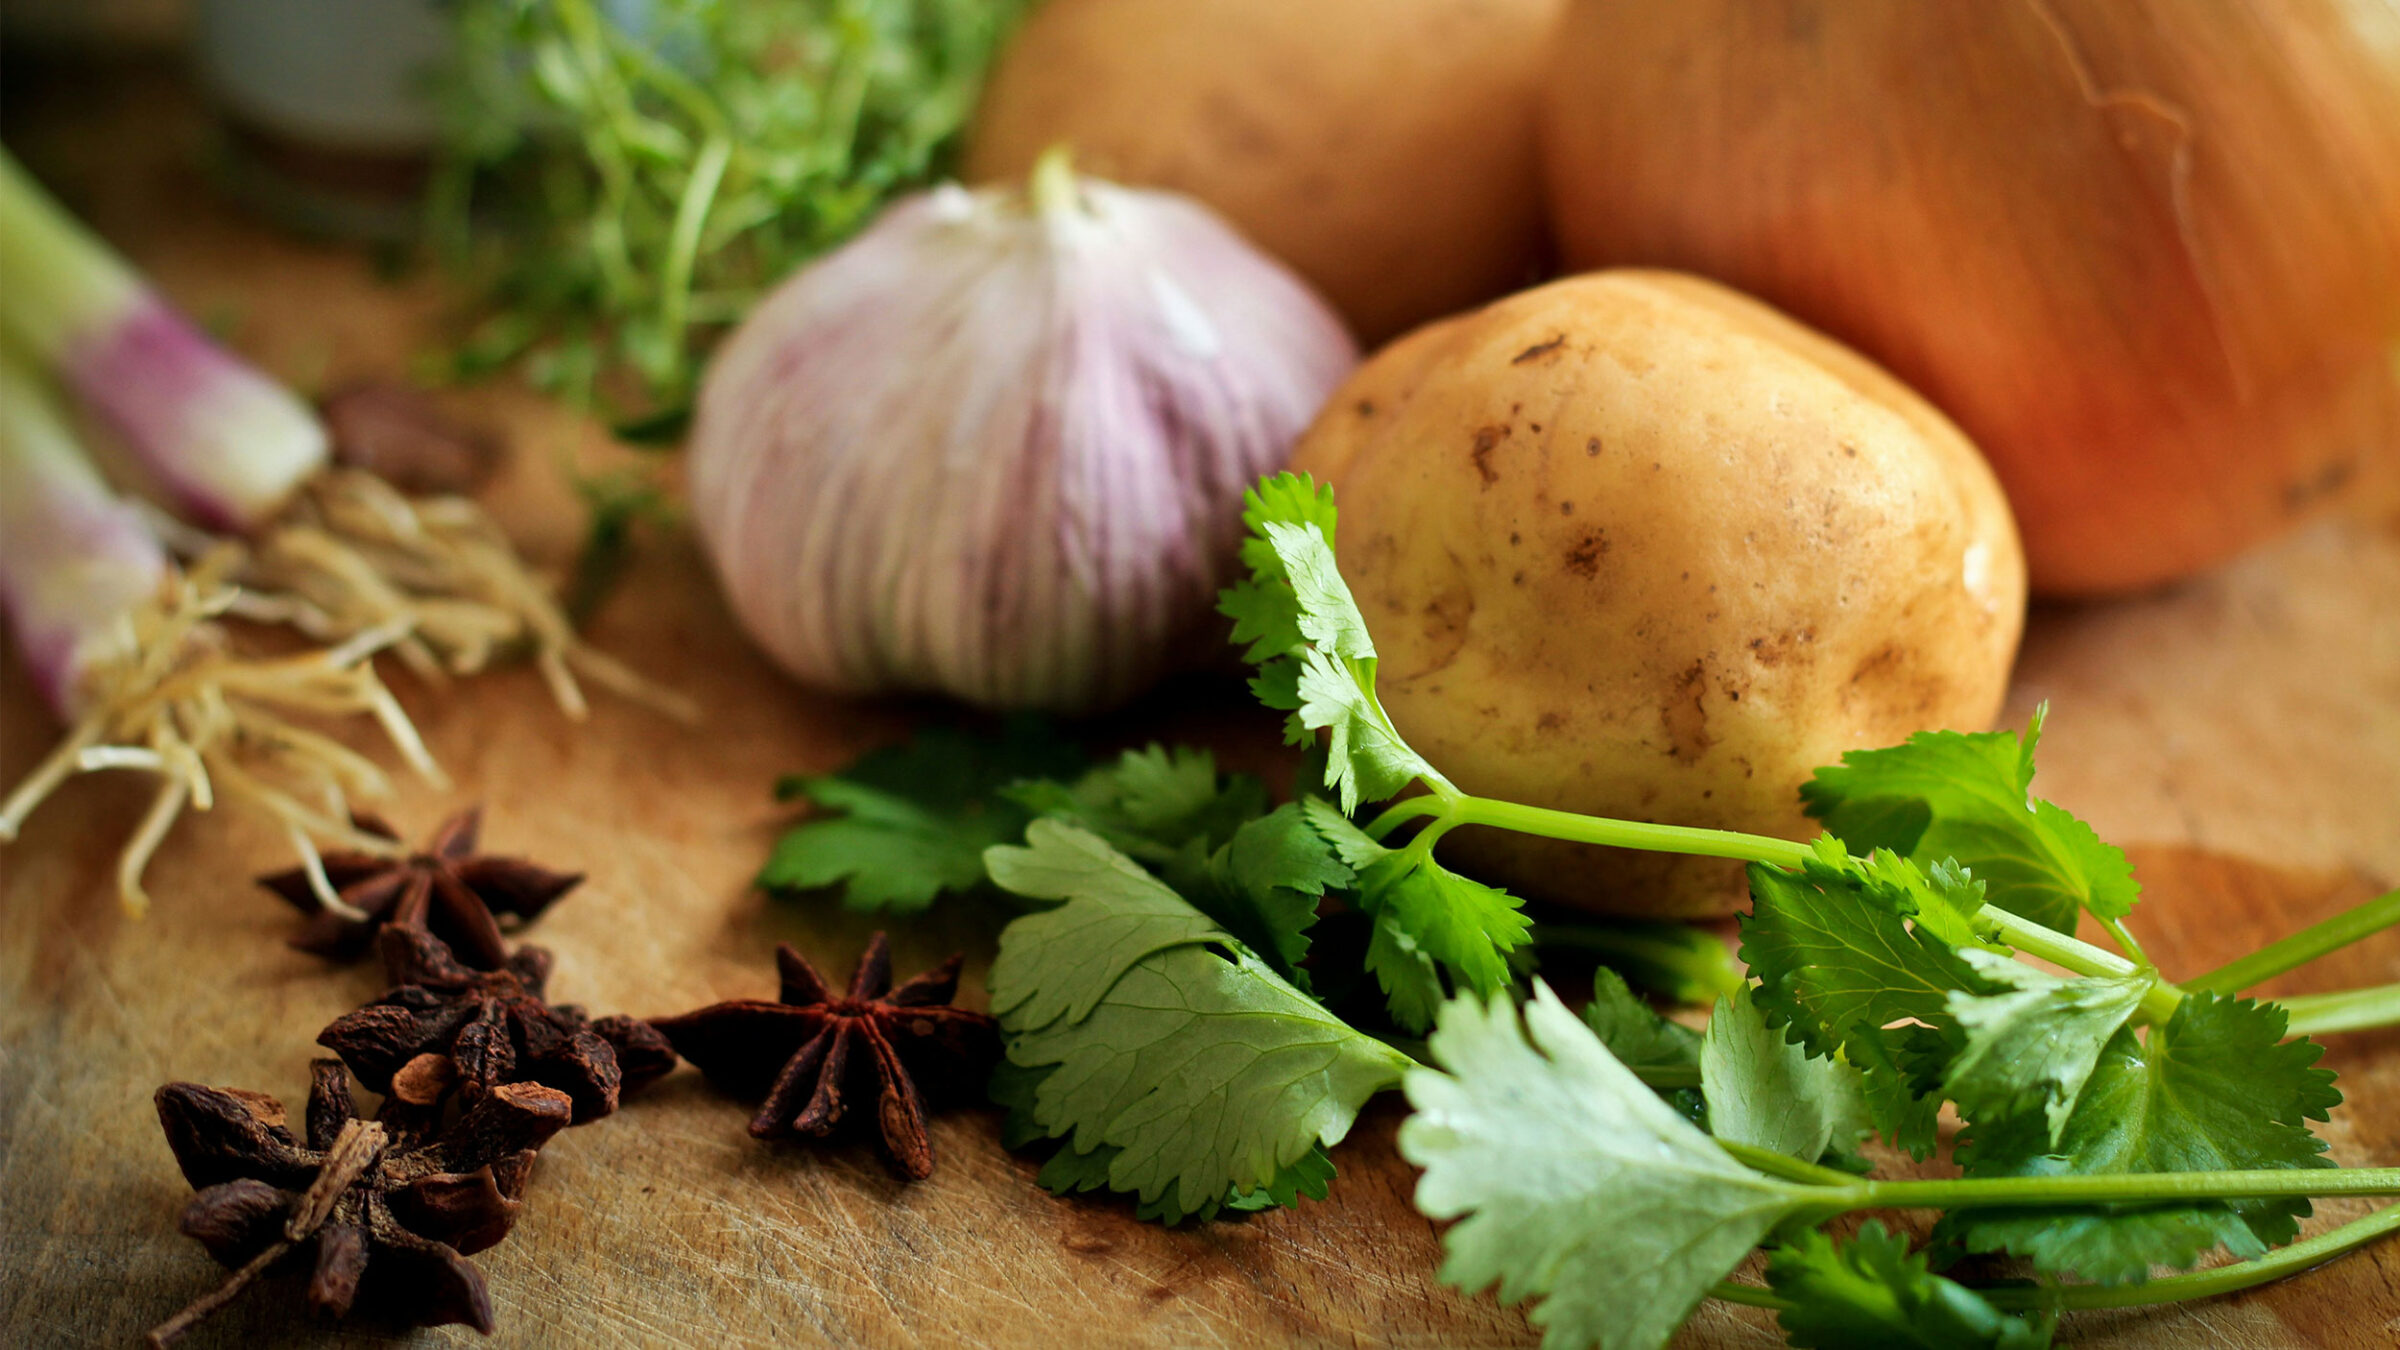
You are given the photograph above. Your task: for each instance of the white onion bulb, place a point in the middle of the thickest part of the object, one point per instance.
(995, 447)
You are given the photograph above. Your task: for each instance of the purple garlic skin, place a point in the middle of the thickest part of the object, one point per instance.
(996, 449)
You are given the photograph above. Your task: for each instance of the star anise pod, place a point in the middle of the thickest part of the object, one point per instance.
(446, 1028)
(811, 1049)
(379, 1219)
(447, 889)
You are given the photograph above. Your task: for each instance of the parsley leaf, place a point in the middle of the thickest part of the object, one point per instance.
(1769, 1093)
(1968, 796)
(1305, 632)
(1871, 1294)
(2034, 1044)
(1170, 1041)
(1577, 1185)
(916, 817)
(2216, 1088)
(1425, 916)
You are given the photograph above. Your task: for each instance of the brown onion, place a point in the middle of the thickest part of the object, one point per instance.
(2147, 252)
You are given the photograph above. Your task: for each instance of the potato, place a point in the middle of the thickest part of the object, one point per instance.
(1636, 545)
(1383, 148)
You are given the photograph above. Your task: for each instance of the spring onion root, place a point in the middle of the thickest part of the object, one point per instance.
(353, 556)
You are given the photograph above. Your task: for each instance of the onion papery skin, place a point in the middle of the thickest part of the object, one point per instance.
(2146, 252)
(998, 452)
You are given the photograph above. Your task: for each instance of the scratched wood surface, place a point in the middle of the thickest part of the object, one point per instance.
(2242, 733)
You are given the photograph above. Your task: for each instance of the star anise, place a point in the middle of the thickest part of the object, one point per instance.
(447, 890)
(446, 1028)
(379, 1219)
(810, 1049)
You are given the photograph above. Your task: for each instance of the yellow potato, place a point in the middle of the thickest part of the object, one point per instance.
(1636, 545)
(1383, 148)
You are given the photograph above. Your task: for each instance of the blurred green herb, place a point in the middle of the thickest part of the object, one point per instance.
(620, 504)
(622, 178)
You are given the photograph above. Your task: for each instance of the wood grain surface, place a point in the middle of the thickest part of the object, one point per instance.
(2242, 733)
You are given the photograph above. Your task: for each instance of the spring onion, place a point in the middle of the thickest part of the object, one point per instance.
(126, 648)
(225, 445)
(343, 555)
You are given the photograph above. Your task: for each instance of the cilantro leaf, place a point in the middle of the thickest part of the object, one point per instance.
(1410, 980)
(1151, 801)
(2216, 1088)
(1208, 1071)
(1061, 962)
(1633, 1032)
(1571, 1181)
(1968, 796)
(1467, 926)
(1263, 885)
(2035, 1044)
(1871, 1294)
(1646, 1043)
(1769, 1093)
(1427, 917)
(1170, 1041)
(1840, 963)
(916, 817)
(1068, 1171)
(1305, 633)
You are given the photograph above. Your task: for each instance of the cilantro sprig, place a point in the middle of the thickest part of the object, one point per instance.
(1576, 1186)
(1166, 1038)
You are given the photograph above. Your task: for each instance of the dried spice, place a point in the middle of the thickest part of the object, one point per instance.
(385, 1221)
(447, 1028)
(811, 1049)
(447, 890)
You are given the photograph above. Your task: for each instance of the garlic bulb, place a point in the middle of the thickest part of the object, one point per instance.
(995, 447)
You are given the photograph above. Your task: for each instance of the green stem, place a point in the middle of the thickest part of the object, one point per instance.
(2026, 936)
(2298, 949)
(1549, 824)
(2024, 1297)
(1790, 1168)
(2051, 945)
(2116, 929)
(1686, 964)
(2242, 1275)
(2157, 1006)
(1750, 1295)
(1667, 1077)
(2345, 1010)
(683, 244)
(2127, 1188)
(1401, 812)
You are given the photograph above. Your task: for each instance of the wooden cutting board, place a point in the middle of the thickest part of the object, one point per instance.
(2241, 732)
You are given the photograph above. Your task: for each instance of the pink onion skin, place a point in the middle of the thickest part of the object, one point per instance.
(224, 445)
(997, 452)
(75, 560)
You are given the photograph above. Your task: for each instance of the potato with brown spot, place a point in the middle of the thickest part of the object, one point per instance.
(1781, 554)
